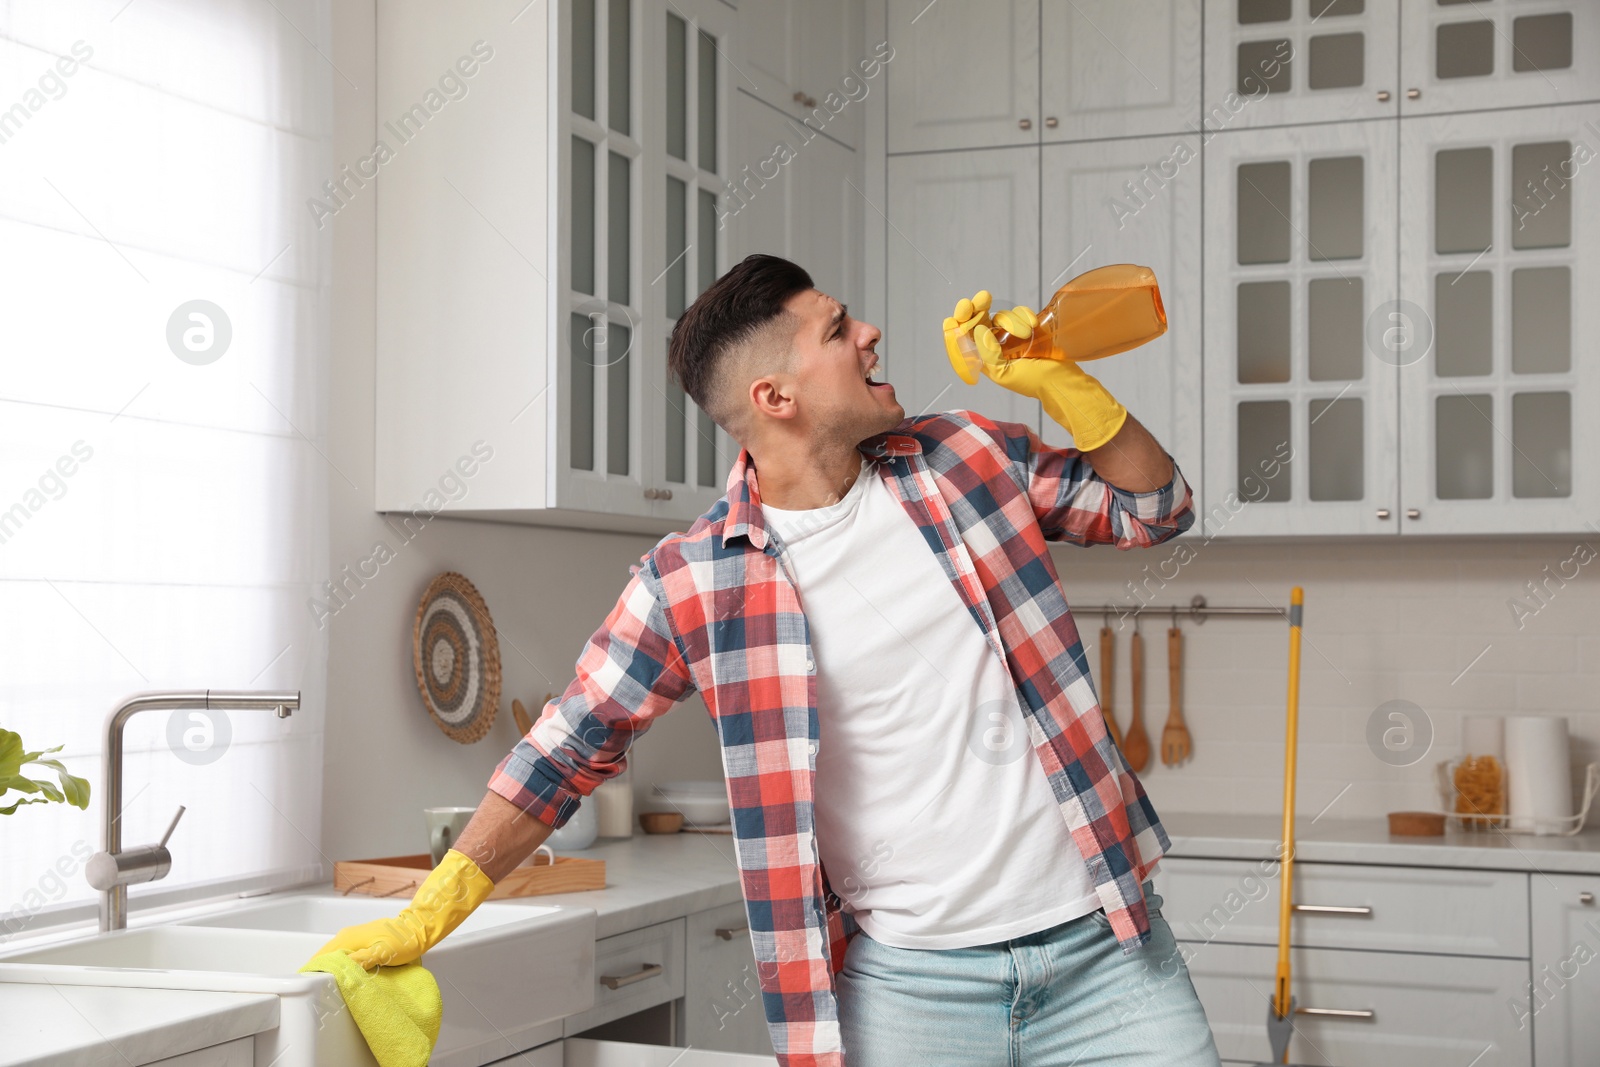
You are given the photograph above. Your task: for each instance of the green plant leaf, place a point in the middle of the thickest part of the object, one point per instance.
(13, 757)
(11, 754)
(24, 800)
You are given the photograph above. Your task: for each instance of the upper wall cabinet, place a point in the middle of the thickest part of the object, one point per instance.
(1499, 386)
(1275, 62)
(965, 74)
(801, 200)
(958, 222)
(1118, 68)
(1301, 425)
(1459, 55)
(534, 248)
(804, 58)
(1134, 201)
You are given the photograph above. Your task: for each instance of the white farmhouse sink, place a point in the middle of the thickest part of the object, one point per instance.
(508, 975)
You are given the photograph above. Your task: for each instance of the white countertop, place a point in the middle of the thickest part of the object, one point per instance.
(89, 1026)
(657, 878)
(1368, 841)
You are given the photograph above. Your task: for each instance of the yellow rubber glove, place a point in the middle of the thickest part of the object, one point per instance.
(1068, 393)
(445, 898)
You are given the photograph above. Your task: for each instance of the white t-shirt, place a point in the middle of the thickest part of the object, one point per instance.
(935, 821)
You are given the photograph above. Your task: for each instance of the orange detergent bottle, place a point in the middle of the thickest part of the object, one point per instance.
(1097, 314)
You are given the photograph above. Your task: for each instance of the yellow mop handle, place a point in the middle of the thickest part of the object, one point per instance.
(1280, 996)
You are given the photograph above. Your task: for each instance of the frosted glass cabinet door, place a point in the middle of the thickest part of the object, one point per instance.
(1134, 201)
(958, 222)
(689, 99)
(1118, 68)
(1276, 62)
(965, 74)
(1500, 257)
(1299, 255)
(598, 302)
(1459, 56)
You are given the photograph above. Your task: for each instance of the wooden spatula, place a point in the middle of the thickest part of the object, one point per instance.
(1136, 750)
(1175, 743)
(518, 712)
(1108, 668)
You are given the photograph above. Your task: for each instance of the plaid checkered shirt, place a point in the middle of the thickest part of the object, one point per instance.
(714, 610)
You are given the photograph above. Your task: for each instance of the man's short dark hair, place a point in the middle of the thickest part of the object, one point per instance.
(725, 318)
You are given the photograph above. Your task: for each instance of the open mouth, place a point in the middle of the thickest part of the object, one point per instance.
(871, 376)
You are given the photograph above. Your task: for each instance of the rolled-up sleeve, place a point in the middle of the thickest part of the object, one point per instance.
(1074, 504)
(629, 672)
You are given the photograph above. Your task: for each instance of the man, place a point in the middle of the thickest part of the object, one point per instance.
(944, 857)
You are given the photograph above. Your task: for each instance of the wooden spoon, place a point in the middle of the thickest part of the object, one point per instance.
(518, 712)
(1136, 750)
(1175, 743)
(1108, 668)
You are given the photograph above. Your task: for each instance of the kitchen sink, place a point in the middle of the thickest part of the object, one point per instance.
(328, 915)
(508, 975)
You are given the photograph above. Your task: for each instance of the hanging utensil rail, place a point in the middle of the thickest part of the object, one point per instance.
(1197, 609)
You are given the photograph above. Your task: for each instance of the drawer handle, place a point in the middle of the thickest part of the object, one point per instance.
(1334, 1013)
(1585, 897)
(649, 970)
(1331, 909)
(728, 933)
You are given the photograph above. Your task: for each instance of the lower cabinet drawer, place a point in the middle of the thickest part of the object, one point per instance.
(1426, 1011)
(1389, 909)
(633, 971)
(584, 1053)
(581, 1052)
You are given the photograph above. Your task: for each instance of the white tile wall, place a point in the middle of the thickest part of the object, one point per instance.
(1385, 620)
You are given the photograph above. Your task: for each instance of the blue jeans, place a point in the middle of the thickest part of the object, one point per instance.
(1065, 995)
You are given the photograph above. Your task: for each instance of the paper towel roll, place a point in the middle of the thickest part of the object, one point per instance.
(1538, 773)
(1484, 735)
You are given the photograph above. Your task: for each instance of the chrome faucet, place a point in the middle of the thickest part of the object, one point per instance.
(112, 870)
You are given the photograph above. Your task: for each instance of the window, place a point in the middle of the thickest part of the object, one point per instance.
(164, 259)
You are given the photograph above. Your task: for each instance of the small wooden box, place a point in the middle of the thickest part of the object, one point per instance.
(401, 875)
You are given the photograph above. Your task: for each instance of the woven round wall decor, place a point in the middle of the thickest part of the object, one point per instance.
(457, 658)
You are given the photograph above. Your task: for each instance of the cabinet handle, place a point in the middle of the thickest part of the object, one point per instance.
(1026, 124)
(649, 970)
(1383, 96)
(1052, 122)
(649, 494)
(1412, 94)
(1331, 909)
(1334, 1013)
(728, 933)
(1585, 897)
(664, 494)
(1383, 513)
(1413, 513)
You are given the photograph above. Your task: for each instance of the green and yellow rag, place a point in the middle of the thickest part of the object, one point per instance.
(398, 1009)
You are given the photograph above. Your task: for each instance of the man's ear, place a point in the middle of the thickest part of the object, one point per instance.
(772, 395)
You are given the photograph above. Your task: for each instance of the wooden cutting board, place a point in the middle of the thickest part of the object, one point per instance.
(396, 876)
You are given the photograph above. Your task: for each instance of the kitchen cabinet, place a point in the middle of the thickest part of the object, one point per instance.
(1023, 72)
(800, 198)
(1558, 1003)
(965, 74)
(1401, 964)
(1419, 1010)
(1135, 201)
(1462, 56)
(1498, 243)
(1117, 68)
(633, 971)
(722, 991)
(535, 247)
(801, 56)
(1301, 421)
(958, 222)
(239, 1053)
(582, 1052)
(1276, 62)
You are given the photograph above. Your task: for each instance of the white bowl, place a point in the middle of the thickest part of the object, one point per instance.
(698, 807)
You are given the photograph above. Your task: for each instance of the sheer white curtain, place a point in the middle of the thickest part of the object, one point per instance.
(163, 491)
